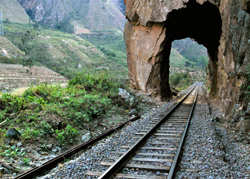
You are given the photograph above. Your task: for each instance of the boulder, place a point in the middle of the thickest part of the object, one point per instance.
(19, 144)
(13, 133)
(49, 146)
(129, 99)
(54, 150)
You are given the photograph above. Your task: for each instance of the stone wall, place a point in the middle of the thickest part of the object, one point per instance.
(220, 25)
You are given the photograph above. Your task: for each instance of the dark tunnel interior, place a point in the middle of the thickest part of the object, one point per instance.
(202, 23)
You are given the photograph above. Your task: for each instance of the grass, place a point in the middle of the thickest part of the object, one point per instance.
(52, 112)
(13, 11)
(65, 53)
(177, 60)
(181, 80)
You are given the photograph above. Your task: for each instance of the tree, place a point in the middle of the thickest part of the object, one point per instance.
(7, 21)
(203, 61)
(26, 48)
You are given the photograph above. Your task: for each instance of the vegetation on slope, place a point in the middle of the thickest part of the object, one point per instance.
(192, 51)
(177, 60)
(111, 43)
(181, 81)
(7, 49)
(188, 62)
(53, 113)
(62, 52)
(13, 11)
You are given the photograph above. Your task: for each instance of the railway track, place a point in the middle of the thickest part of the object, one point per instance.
(66, 155)
(157, 146)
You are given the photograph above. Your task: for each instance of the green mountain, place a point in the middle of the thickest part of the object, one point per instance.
(177, 60)
(13, 11)
(192, 51)
(98, 43)
(63, 52)
(7, 49)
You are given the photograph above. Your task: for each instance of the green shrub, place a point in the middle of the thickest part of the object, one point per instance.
(11, 60)
(101, 81)
(178, 77)
(36, 113)
(13, 103)
(66, 136)
(12, 152)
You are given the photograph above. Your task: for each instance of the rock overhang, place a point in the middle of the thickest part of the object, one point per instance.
(148, 43)
(152, 28)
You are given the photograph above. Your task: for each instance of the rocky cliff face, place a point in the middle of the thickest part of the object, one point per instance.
(220, 25)
(84, 15)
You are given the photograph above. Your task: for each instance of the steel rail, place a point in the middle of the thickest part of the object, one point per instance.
(53, 162)
(173, 166)
(113, 169)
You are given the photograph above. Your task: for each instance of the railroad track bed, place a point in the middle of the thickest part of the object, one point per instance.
(94, 160)
(202, 155)
(210, 151)
(90, 160)
(157, 154)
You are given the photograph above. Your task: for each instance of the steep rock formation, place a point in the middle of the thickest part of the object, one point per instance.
(220, 25)
(86, 15)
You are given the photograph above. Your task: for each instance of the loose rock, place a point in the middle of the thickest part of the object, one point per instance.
(86, 137)
(133, 112)
(49, 146)
(13, 133)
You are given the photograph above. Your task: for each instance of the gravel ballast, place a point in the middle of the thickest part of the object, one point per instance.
(90, 160)
(209, 150)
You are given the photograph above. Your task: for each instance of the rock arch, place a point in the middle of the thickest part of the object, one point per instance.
(200, 22)
(148, 37)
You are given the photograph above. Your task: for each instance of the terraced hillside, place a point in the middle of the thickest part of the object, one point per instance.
(15, 76)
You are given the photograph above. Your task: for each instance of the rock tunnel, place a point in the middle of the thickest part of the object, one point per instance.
(149, 35)
(199, 22)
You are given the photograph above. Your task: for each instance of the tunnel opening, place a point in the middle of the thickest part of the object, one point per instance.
(188, 63)
(202, 23)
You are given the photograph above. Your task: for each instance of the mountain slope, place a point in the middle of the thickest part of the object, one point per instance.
(191, 50)
(84, 15)
(177, 60)
(7, 49)
(65, 53)
(13, 11)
